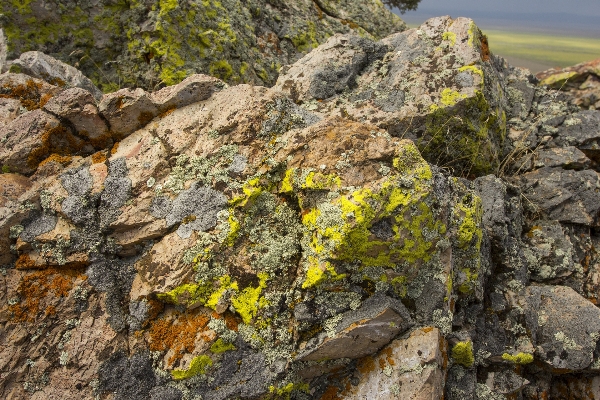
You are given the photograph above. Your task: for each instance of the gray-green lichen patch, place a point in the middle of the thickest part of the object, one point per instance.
(195, 209)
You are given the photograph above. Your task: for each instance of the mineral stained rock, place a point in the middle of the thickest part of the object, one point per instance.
(153, 43)
(335, 236)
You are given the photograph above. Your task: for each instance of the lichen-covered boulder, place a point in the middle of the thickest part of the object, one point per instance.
(244, 242)
(151, 44)
(285, 239)
(437, 84)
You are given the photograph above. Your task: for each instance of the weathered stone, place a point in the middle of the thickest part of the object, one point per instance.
(411, 368)
(127, 110)
(79, 107)
(30, 92)
(568, 157)
(361, 332)
(31, 138)
(43, 66)
(3, 51)
(564, 195)
(191, 90)
(582, 81)
(383, 85)
(9, 110)
(550, 252)
(564, 326)
(581, 130)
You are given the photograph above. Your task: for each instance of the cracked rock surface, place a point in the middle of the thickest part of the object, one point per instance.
(408, 218)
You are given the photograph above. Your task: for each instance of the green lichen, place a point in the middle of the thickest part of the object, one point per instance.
(450, 97)
(285, 392)
(470, 212)
(470, 144)
(220, 346)
(5, 169)
(221, 69)
(199, 365)
(520, 358)
(462, 353)
(306, 39)
(474, 69)
(556, 81)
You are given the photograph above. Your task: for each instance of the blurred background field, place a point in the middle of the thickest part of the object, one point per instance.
(534, 34)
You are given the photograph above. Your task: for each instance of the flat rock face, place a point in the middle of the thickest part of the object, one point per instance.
(237, 41)
(565, 327)
(42, 66)
(361, 332)
(411, 368)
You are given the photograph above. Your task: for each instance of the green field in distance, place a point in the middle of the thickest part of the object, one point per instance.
(542, 51)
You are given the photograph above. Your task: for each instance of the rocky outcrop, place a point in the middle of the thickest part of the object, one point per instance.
(152, 44)
(582, 81)
(336, 236)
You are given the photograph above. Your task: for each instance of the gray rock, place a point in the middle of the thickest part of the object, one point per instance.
(564, 326)
(564, 195)
(43, 66)
(581, 130)
(165, 393)
(40, 224)
(550, 252)
(3, 51)
(361, 332)
(191, 90)
(127, 378)
(569, 157)
(506, 382)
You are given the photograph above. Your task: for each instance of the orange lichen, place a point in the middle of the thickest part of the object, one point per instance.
(57, 158)
(366, 365)
(178, 334)
(98, 157)
(28, 94)
(331, 393)
(58, 140)
(167, 112)
(231, 320)
(114, 148)
(25, 262)
(485, 49)
(46, 285)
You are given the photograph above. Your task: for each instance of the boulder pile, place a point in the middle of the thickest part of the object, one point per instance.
(408, 218)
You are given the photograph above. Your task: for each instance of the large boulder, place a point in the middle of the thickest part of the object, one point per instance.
(154, 43)
(437, 84)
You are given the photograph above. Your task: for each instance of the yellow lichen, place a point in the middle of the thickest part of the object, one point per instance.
(520, 358)
(462, 353)
(199, 365)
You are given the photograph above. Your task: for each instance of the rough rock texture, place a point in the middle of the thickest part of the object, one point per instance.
(581, 80)
(216, 242)
(121, 44)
